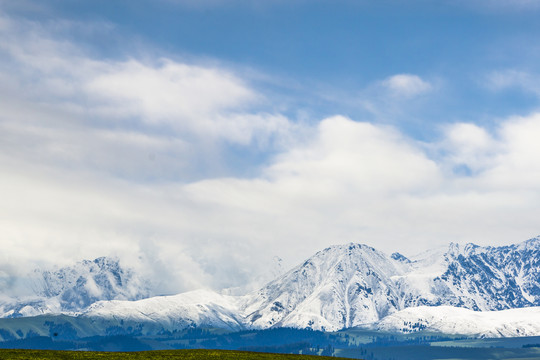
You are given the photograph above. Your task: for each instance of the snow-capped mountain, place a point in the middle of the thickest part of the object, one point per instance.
(339, 287)
(354, 285)
(74, 288)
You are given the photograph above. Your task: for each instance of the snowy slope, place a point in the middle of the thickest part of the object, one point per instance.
(453, 320)
(196, 308)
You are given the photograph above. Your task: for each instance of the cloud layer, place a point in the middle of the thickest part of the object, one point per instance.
(138, 158)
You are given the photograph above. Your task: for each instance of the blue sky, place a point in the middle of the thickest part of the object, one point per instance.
(346, 47)
(306, 48)
(200, 139)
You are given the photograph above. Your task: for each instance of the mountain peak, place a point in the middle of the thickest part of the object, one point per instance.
(350, 247)
(338, 287)
(531, 244)
(455, 249)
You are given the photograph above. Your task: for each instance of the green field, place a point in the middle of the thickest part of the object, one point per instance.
(150, 355)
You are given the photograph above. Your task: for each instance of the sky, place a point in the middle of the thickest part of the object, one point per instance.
(214, 144)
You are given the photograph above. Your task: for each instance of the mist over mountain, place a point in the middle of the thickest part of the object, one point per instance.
(72, 288)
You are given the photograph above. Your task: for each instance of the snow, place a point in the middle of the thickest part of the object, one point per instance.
(200, 307)
(350, 285)
(460, 321)
(346, 285)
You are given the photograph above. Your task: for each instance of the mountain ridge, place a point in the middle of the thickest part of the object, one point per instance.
(352, 285)
(355, 285)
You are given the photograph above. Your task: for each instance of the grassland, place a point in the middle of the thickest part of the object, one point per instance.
(151, 355)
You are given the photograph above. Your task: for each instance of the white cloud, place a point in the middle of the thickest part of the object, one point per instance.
(517, 164)
(351, 182)
(199, 101)
(407, 85)
(89, 146)
(360, 182)
(189, 97)
(168, 92)
(361, 155)
(511, 78)
(468, 145)
(161, 119)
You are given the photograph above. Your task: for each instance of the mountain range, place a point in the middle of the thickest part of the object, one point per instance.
(472, 290)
